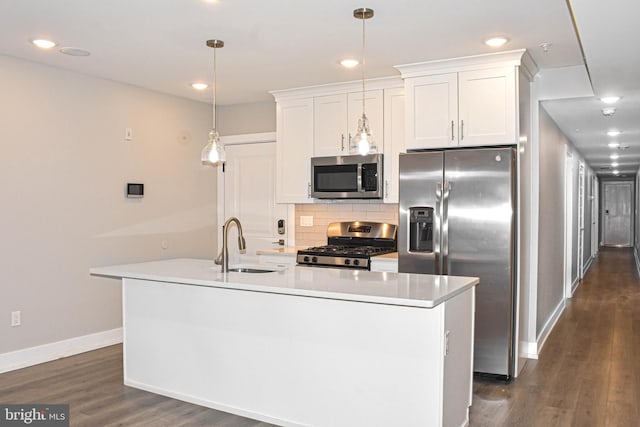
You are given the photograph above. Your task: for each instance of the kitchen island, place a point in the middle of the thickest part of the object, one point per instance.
(301, 346)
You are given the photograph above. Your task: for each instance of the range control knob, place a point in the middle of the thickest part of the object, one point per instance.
(314, 259)
(356, 262)
(306, 259)
(347, 261)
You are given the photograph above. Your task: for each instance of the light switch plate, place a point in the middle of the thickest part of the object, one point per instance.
(306, 221)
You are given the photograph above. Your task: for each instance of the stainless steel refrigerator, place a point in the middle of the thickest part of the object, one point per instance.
(457, 217)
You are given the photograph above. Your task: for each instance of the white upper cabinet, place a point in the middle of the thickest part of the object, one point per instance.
(294, 148)
(487, 106)
(336, 121)
(470, 101)
(374, 109)
(330, 125)
(319, 121)
(432, 113)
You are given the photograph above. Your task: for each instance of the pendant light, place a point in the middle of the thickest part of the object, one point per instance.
(213, 152)
(362, 143)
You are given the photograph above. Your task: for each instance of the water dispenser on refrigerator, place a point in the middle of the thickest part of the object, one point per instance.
(420, 229)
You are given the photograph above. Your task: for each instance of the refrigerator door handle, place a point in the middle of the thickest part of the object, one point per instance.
(444, 250)
(436, 227)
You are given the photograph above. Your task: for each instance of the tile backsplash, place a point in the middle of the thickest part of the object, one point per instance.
(325, 213)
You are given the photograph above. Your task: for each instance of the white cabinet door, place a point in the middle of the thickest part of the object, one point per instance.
(487, 106)
(330, 125)
(432, 111)
(393, 141)
(374, 109)
(294, 150)
(249, 194)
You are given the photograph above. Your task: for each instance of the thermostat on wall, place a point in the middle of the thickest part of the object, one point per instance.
(135, 190)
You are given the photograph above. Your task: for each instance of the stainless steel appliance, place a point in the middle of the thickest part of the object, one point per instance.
(457, 217)
(347, 177)
(351, 245)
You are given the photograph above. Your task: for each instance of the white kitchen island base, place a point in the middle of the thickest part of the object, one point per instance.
(298, 360)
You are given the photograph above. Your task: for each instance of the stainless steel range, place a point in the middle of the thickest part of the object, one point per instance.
(351, 245)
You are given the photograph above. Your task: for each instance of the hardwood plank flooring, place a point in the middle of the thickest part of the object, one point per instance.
(588, 373)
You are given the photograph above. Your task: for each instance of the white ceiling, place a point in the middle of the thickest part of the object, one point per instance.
(271, 45)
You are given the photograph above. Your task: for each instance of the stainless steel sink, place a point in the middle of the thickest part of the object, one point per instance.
(251, 270)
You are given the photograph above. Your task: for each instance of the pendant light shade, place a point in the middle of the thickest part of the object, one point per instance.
(363, 143)
(213, 152)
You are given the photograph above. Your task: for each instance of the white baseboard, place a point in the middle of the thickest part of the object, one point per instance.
(548, 327)
(45, 353)
(574, 286)
(529, 349)
(588, 265)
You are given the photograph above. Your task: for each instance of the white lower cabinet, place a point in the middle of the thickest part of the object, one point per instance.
(384, 263)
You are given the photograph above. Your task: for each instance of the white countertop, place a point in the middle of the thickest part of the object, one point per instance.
(412, 290)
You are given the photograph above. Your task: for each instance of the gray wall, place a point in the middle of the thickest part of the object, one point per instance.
(246, 118)
(551, 224)
(64, 168)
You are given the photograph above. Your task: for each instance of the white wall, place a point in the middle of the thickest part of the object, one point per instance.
(64, 168)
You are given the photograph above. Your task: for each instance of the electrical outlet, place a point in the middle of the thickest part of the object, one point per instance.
(128, 134)
(306, 221)
(15, 318)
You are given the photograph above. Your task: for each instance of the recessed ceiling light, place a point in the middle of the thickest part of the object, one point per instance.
(74, 51)
(614, 156)
(349, 63)
(609, 111)
(615, 164)
(43, 44)
(613, 132)
(545, 47)
(610, 99)
(199, 86)
(496, 41)
(613, 144)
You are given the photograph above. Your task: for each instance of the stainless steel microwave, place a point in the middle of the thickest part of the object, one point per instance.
(347, 177)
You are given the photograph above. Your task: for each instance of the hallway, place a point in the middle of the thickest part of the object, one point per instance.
(588, 373)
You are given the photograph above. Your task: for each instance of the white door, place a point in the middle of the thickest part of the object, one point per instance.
(595, 239)
(580, 221)
(617, 207)
(568, 223)
(249, 194)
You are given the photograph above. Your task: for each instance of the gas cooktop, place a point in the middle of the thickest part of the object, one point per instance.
(351, 245)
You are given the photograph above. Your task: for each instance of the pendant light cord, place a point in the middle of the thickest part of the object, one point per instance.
(215, 87)
(363, 61)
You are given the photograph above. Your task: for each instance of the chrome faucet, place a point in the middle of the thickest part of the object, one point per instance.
(223, 258)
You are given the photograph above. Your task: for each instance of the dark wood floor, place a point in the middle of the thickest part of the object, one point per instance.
(588, 373)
